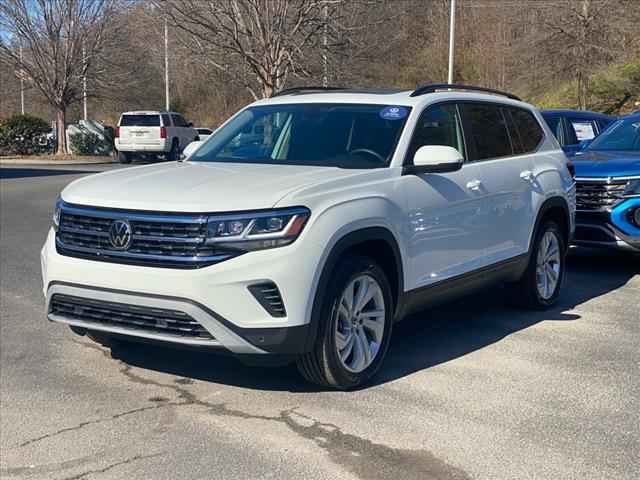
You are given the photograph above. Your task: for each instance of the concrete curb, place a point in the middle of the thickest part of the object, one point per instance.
(52, 162)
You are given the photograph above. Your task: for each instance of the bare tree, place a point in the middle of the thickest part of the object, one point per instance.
(583, 37)
(53, 34)
(257, 42)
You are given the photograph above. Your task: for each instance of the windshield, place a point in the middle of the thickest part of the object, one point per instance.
(339, 135)
(624, 135)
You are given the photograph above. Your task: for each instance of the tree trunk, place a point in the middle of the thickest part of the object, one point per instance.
(61, 115)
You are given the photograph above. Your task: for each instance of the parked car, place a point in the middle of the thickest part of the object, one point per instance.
(571, 127)
(151, 134)
(608, 188)
(204, 133)
(355, 209)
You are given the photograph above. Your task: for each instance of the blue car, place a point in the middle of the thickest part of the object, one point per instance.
(571, 127)
(608, 188)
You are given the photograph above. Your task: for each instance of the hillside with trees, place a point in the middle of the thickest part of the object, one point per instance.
(223, 54)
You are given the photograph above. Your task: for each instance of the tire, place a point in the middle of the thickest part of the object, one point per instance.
(124, 157)
(173, 154)
(529, 292)
(323, 365)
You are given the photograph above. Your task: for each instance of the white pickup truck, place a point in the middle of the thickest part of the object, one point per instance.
(152, 133)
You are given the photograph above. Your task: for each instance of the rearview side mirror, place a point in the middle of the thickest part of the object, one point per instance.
(435, 159)
(189, 149)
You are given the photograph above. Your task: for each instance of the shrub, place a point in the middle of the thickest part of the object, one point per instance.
(23, 135)
(88, 143)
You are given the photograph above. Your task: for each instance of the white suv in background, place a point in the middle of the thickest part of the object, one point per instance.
(150, 133)
(347, 211)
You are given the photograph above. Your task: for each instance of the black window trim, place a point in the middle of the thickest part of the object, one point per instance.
(465, 155)
(501, 106)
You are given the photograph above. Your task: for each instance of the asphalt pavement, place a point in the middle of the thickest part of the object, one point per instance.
(470, 390)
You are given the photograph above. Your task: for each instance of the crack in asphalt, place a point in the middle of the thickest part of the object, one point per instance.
(93, 422)
(364, 458)
(111, 466)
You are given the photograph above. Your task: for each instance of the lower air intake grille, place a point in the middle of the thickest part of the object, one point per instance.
(269, 297)
(134, 317)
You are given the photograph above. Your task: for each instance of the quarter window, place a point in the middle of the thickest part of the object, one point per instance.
(487, 131)
(438, 125)
(528, 132)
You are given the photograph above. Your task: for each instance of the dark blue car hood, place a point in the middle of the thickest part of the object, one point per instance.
(607, 164)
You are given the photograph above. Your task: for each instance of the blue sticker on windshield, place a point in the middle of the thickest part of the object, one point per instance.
(393, 113)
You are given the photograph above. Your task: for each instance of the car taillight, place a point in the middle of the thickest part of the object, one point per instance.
(572, 168)
(163, 132)
(117, 132)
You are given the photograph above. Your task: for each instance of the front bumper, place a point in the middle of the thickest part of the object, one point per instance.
(217, 297)
(607, 230)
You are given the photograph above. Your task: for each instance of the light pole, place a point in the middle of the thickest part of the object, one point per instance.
(21, 83)
(84, 82)
(325, 64)
(452, 34)
(166, 66)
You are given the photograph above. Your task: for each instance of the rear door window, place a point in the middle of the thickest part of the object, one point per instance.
(486, 131)
(140, 121)
(179, 121)
(166, 121)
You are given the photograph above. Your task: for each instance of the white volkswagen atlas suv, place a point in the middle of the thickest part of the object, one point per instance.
(310, 222)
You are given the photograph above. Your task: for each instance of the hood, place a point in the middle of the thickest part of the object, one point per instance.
(197, 186)
(607, 164)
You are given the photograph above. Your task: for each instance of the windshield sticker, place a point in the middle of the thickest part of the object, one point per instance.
(393, 113)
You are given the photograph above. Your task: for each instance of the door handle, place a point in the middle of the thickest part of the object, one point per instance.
(527, 176)
(474, 185)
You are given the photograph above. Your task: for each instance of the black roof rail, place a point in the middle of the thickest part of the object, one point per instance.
(434, 87)
(292, 90)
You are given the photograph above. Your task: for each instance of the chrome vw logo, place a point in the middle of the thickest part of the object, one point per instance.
(120, 234)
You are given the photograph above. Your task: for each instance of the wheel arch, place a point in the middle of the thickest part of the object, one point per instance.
(557, 209)
(376, 242)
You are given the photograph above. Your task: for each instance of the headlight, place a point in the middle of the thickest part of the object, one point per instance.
(257, 231)
(632, 189)
(56, 214)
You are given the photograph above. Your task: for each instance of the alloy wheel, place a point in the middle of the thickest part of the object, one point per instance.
(548, 265)
(360, 323)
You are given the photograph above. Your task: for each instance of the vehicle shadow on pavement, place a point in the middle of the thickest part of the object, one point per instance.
(422, 341)
(11, 173)
(450, 331)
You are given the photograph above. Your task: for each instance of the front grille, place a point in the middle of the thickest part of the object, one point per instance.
(133, 317)
(165, 240)
(598, 195)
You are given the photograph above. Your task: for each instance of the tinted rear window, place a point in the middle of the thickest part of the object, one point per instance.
(488, 136)
(140, 121)
(529, 132)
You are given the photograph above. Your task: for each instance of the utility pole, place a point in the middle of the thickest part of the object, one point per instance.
(21, 83)
(452, 34)
(325, 64)
(166, 65)
(84, 82)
